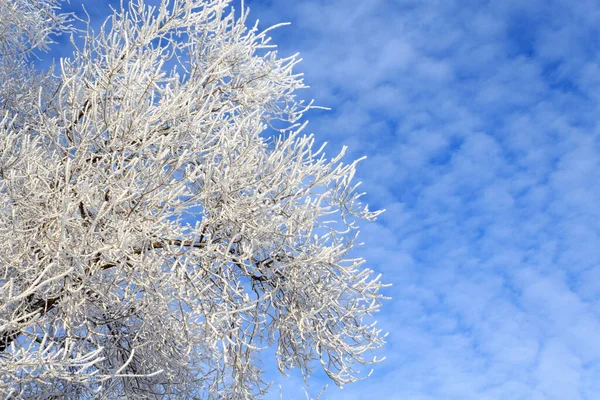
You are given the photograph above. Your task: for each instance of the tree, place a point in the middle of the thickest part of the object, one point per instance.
(163, 218)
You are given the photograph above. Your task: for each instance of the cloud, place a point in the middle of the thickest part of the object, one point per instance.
(479, 120)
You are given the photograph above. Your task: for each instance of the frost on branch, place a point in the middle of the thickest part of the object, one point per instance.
(154, 238)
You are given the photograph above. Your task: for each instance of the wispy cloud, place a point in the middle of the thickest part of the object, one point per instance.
(480, 122)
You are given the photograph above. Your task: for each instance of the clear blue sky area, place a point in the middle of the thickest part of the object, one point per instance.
(480, 121)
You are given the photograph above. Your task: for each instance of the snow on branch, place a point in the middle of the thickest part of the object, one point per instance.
(156, 234)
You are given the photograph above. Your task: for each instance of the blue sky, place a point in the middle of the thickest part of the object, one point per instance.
(480, 123)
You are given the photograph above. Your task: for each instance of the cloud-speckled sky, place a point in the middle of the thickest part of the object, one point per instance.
(480, 121)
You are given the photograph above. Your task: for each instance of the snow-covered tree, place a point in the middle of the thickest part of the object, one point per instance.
(164, 220)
